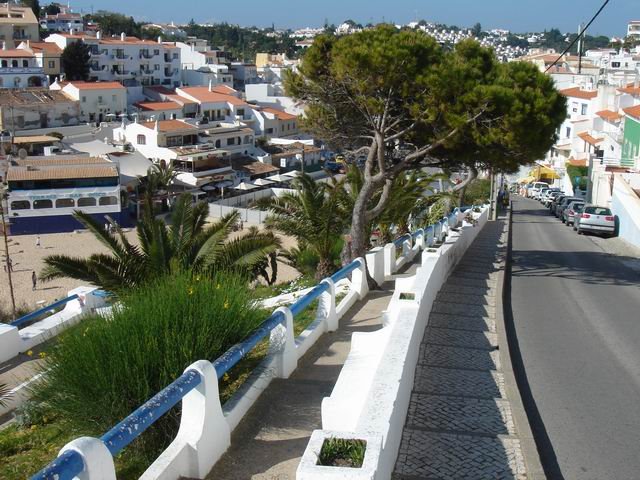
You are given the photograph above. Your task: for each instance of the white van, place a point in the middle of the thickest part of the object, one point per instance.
(535, 189)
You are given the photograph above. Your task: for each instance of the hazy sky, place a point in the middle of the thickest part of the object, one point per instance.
(516, 15)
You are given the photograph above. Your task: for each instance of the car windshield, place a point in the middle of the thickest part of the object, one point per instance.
(578, 208)
(597, 211)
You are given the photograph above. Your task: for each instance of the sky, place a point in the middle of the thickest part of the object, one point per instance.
(515, 15)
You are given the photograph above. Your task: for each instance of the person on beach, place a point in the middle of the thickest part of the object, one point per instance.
(38, 241)
(34, 280)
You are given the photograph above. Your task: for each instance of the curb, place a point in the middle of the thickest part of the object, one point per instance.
(530, 452)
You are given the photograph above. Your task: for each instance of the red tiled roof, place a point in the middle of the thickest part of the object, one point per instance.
(630, 89)
(169, 125)
(589, 139)
(609, 115)
(577, 163)
(203, 95)
(577, 92)
(97, 85)
(158, 106)
(15, 53)
(280, 114)
(633, 111)
(44, 46)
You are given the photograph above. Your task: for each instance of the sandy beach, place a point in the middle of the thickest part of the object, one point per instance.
(27, 257)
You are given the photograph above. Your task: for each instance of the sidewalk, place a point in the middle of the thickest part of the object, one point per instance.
(460, 422)
(270, 440)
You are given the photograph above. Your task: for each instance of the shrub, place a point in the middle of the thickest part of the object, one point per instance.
(103, 369)
(340, 452)
(477, 192)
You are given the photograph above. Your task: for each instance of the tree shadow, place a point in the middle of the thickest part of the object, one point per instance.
(593, 268)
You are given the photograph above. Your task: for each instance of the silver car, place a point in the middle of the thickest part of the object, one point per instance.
(595, 219)
(573, 209)
(563, 204)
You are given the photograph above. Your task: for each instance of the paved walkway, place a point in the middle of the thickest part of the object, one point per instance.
(459, 423)
(270, 440)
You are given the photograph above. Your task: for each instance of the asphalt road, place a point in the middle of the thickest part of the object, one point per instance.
(576, 312)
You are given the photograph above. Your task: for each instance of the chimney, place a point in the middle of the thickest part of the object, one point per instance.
(210, 85)
(159, 39)
(636, 82)
(71, 31)
(123, 37)
(4, 45)
(99, 35)
(28, 43)
(157, 126)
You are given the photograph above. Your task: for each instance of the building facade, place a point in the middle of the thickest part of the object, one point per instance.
(32, 108)
(19, 69)
(17, 24)
(99, 101)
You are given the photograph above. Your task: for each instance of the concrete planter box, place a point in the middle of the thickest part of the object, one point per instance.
(308, 469)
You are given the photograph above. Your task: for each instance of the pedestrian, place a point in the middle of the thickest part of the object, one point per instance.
(34, 280)
(38, 241)
(241, 225)
(10, 262)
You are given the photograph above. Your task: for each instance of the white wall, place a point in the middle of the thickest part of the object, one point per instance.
(626, 205)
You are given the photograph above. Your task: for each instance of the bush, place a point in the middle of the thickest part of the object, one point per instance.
(105, 368)
(477, 192)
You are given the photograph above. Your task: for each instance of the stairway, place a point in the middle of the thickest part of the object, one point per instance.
(459, 423)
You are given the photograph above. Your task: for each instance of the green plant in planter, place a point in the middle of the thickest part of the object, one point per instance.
(103, 369)
(342, 452)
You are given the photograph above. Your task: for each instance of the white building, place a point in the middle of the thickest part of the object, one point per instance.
(32, 108)
(202, 65)
(99, 101)
(129, 60)
(62, 22)
(633, 28)
(270, 95)
(19, 69)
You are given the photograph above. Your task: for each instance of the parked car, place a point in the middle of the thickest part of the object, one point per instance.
(334, 167)
(551, 197)
(555, 202)
(569, 213)
(543, 191)
(564, 204)
(545, 194)
(536, 187)
(595, 219)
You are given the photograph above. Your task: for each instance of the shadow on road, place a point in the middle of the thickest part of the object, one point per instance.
(593, 268)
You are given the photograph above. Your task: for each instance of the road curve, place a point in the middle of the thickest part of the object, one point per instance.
(576, 314)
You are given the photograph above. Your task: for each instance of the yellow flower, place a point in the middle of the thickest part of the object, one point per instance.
(33, 427)
(190, 291)
(197, 278)
(226, 304)
(218, 287)
(30, 353)
(42, 354)
(225, 377)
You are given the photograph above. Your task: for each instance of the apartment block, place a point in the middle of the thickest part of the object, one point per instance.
(17, 24)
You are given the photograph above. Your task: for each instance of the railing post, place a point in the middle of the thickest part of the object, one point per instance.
(406, 247)
(97, 459)
(359, 278)
(327, 306)
(375, 264)
(203, 427)
(10, 342)
(389, 260)
(282, 344)
(420, 240)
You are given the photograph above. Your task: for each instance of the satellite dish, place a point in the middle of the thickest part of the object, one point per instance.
(22, 154)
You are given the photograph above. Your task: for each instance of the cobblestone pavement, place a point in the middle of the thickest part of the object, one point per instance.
(459, 423)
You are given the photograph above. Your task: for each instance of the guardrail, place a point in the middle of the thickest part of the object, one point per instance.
(197, 386)
(41, 311)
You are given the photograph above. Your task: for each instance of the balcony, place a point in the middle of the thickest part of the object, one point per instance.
(146, 54)
(121, 56)
(146, 71)
(21, 70)
(21, 36)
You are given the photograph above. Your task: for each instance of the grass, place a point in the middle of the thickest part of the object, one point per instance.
(341, 452)
(27, 447)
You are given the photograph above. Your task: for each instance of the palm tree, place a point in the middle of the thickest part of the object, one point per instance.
(5, 394)
(186, 243)
(313, 216)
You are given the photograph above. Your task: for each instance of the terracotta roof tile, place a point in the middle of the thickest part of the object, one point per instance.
(633, 111)
(577, 92)
(589, 139)
(280, 114)
(169, 125)
(203, 95)
(97, 85)
(609, 115)
(158, 106)
(59, 173)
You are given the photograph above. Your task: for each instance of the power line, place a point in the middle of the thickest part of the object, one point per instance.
(579, 36)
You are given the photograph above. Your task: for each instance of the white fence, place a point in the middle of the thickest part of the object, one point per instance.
(371, 397)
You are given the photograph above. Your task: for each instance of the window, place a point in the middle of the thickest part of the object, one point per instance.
(104, 201)
(247, 139)
(615, 64)
(240, 112)
(52, 64)
(99, 98)
(65, 203)
(175, 56)
(597, 211)
(41, 204)
(583, 110)
(269, 130)
(156, 52)
(218, 144)
(4, 64)
(86, 202)
(156, 66)
(141, 140)
(25, 63)
(20, 205)
(84, 99)
(568, 132)
(231, 141)
(14, 63)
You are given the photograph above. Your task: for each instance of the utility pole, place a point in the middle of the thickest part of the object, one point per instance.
(580, 46)
(6, 254)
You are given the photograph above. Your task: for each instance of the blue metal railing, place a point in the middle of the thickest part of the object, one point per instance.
(41, 311)
(400, 240)
(70, 463)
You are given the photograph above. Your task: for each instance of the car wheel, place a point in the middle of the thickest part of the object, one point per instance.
(574, 228)
(580, 231)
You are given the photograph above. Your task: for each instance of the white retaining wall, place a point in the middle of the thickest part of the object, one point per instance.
(626, 205)
(371, 397)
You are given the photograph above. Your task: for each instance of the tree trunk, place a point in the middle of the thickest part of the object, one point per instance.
(357, 247)
(325, 269)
